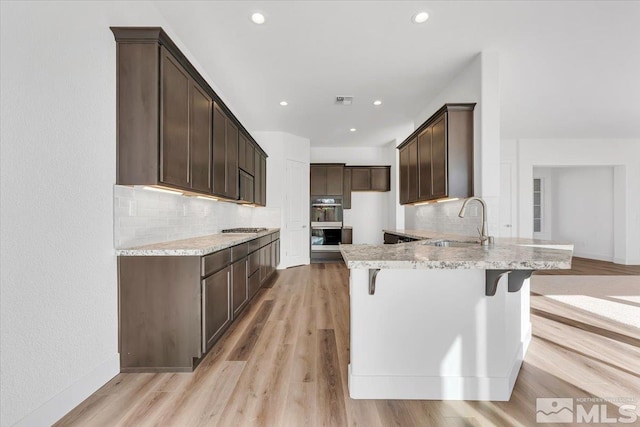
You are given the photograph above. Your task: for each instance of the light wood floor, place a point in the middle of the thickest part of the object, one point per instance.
(592, 267)
(285, 364)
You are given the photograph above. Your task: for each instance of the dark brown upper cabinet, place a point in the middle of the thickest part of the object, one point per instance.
(370, 178)
(260, 178)
(327, 179)
(436, 161)
(172, 128)
(346, 189)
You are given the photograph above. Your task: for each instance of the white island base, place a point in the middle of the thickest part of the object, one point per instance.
(434, 334)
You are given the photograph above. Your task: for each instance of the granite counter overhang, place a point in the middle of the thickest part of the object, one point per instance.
(195, 246)
(504, 254)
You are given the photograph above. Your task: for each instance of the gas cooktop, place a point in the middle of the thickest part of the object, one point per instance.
(244, 230)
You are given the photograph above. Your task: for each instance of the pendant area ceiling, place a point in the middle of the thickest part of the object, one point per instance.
(567, 69)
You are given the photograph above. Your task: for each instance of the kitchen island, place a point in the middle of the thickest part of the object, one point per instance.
(443, 317)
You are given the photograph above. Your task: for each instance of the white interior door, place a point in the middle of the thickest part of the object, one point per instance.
(506, 201)
(296, 213)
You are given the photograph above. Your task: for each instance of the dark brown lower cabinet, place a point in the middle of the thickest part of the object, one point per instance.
(240, 287)
(216, 309)
(347, 236)
(254, 284)
(172, 309)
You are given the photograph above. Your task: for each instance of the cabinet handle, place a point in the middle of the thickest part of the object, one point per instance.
(373, 273)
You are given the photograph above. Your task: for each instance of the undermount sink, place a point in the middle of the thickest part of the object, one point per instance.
(452, 244)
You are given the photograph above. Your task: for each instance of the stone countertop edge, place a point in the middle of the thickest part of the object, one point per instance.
(505, 254)
(194, 246)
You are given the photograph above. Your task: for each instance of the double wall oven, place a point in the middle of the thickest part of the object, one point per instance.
(326, 224)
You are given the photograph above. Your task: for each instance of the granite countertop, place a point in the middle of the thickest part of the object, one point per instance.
(195, 246)
(504, 254)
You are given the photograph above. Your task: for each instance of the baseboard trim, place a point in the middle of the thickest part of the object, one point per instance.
(598, 257)
(624, 261)
(60, 404)
(439, 388)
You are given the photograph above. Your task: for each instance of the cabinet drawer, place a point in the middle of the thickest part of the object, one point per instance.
(254, 262)
(240, 251)
(265, 240)
(215, 261)
(254, 245)
(254, 284)
(275, 236)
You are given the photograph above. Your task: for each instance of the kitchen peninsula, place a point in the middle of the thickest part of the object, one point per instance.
(442, 317)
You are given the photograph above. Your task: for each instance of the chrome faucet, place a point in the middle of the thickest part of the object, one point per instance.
(485, 239)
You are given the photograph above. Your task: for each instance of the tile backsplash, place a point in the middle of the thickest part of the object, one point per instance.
(443, 217)
(143, 217)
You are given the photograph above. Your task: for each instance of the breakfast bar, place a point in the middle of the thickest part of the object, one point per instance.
(442, 317)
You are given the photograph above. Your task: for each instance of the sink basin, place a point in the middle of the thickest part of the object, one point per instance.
(453, 244)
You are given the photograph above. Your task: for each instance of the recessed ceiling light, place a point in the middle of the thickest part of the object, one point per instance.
(284, 103)
(353, 130)
(420, 17)
(258, 18)
(377, 102)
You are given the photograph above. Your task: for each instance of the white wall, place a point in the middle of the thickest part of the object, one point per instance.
(582, 210)
(621, 155)
(370, 211)
(58, 268)
(479, 83)
(280, 147)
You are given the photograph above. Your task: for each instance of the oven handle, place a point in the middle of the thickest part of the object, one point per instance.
(326, 227)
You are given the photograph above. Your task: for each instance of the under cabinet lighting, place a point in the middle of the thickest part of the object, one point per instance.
(207, 198)
(420, 17)
(422, 203)
(162, 190)
(249, 205)
(447, 200)
(258, 18)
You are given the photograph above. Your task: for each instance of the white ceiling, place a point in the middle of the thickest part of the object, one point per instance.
(567, 69)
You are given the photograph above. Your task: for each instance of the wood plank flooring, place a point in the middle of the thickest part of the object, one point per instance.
(592, 267)
(284, 363)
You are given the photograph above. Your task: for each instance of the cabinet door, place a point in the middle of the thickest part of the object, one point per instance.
(318, 180)
(381, 179)
(254, 284)
(240, 286)
(265, 254)
(424, 164)
(250, 158)
(263, 181)
(200, 138)
(361, 179)
(257, 177)
(246, 187)
(277, 243)
(242, 151)
(174, 107)
(219, 150)
(216, 309)
(231, 161)
(413, 171)
(334, 180)
(404, 175)
(346, 189)
(347, 236)
(439, 159)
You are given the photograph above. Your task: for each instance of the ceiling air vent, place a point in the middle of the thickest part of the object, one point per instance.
(344, 100)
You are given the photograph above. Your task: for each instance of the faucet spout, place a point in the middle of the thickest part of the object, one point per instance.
(485, 239)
